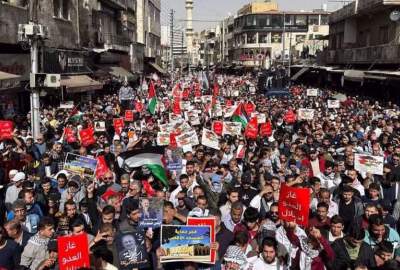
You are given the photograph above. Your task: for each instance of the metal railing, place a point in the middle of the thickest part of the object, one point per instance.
(112, 39)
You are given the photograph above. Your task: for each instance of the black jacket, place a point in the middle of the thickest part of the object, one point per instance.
(342, 259)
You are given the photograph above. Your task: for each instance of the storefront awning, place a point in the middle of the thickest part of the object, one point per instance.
(299, 73)
(354, 75)
(8, 80)
(80, 83)
(157, 68)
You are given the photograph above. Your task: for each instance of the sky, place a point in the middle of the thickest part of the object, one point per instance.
(218, 9)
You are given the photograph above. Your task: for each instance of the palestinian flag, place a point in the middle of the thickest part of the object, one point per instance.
(152, 98)
(240, 115)
(150, 157)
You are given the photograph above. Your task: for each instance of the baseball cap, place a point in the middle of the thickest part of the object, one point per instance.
(12, 173)
(19, 176)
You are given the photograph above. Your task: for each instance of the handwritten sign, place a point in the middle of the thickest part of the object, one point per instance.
(294, 204)
(306, 114)
(312, 92)
(73, 252)
(333, 104)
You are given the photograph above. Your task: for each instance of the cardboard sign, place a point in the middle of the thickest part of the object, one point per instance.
(333, 104)
(73, 252)
(69, 135)
(294, 204)
(151, 212)
(218, 127)
(139, 106)
(87, 136)
(209, 221)
(6, 130)
(251, 130)
(129, 116)
(118, 125)
(312, 92)
(83, 166)
(67, 105)
(368, 164)
(306, 114)
(210, 139)
(186, 243)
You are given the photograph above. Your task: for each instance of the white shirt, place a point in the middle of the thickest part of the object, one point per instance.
(260, 264)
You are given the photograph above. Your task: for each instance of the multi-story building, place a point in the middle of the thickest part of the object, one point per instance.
(260, 34)
(149, 32)
(207, 47)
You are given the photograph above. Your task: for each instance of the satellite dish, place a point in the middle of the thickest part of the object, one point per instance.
(395, 15)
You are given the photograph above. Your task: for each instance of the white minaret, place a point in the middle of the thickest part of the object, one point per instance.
(189, 25)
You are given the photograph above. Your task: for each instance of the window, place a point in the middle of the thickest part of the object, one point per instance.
(301, 20)
(276, 38)
(384, 34)
(263, 38)
(289, 19)
(263, 20)
(324, 20)
(313, 20)
(276, 20)
(251, 21)
(61, 9)
(251, 38)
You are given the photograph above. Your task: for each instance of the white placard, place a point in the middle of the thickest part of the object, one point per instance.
(306, 114)
(210, 139)
(364, 163)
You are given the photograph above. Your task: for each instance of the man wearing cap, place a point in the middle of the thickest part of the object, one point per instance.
(13, 190)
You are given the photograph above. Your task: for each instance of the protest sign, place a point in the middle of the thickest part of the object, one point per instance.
(163, 138)
(173, 160)
(208, 221)
(99, 126)
(217, 127)
(261, 117)
(232, 128)
(83, 166)
(151, 212)
(251, 130)
(306, 114)
(312, 92)
(6, 130)
(294, 204)
(266, 129)
(249, 108)
(210, 139)
(290, 117)
(118, 125)
(131, 248)
(241, 151)
(186, 243)
(129, 116)
(228, 111)
(364, 163)
(139, 106)
(73, 252)
(333, 104)
(87, 136)
(102, 167)
(66, 105)
(187, 138)
(69, 135)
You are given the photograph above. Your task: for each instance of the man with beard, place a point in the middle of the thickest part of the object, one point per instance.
(329, 178)
(183, 186)
(263, 201)
(268, 259)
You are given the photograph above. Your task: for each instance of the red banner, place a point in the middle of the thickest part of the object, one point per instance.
(139, 106)
(265, 129)
(251, 130)
(118, 125)
(185, 94)
(129, 116)
(294, 204)
(197, 91)
(73, 252)
(216, 90)
(69, 135)
(228, 103)
(102, 167)
(176, 107)
(172, 139)
(6, 130)
(87, 136)
(206, 222)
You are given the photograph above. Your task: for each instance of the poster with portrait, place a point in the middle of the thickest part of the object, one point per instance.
(182, 243)
(163, 138)
(210, 139)
(306, 114)
(232, 128)
(131, 248)
(99, 126)
(151, 212)
(364, 163)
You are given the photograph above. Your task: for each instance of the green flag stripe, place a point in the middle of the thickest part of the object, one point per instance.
(159, 172)
(152, 105)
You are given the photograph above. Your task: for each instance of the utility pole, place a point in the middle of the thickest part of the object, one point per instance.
(172, 38)
(182, 50)
(283, 39)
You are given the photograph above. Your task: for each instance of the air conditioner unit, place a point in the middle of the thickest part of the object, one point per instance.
(29, 29)
(52, 80)
(42, 31)
(37, 80)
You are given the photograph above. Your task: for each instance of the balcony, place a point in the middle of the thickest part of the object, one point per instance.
(343, 13)
(10, 17)
(115, 42)
(382, 54)
(118, 4)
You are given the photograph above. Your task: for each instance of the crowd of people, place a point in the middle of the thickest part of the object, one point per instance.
(354, 217)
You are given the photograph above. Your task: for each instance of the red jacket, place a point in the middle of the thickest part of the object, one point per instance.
(307, 163)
